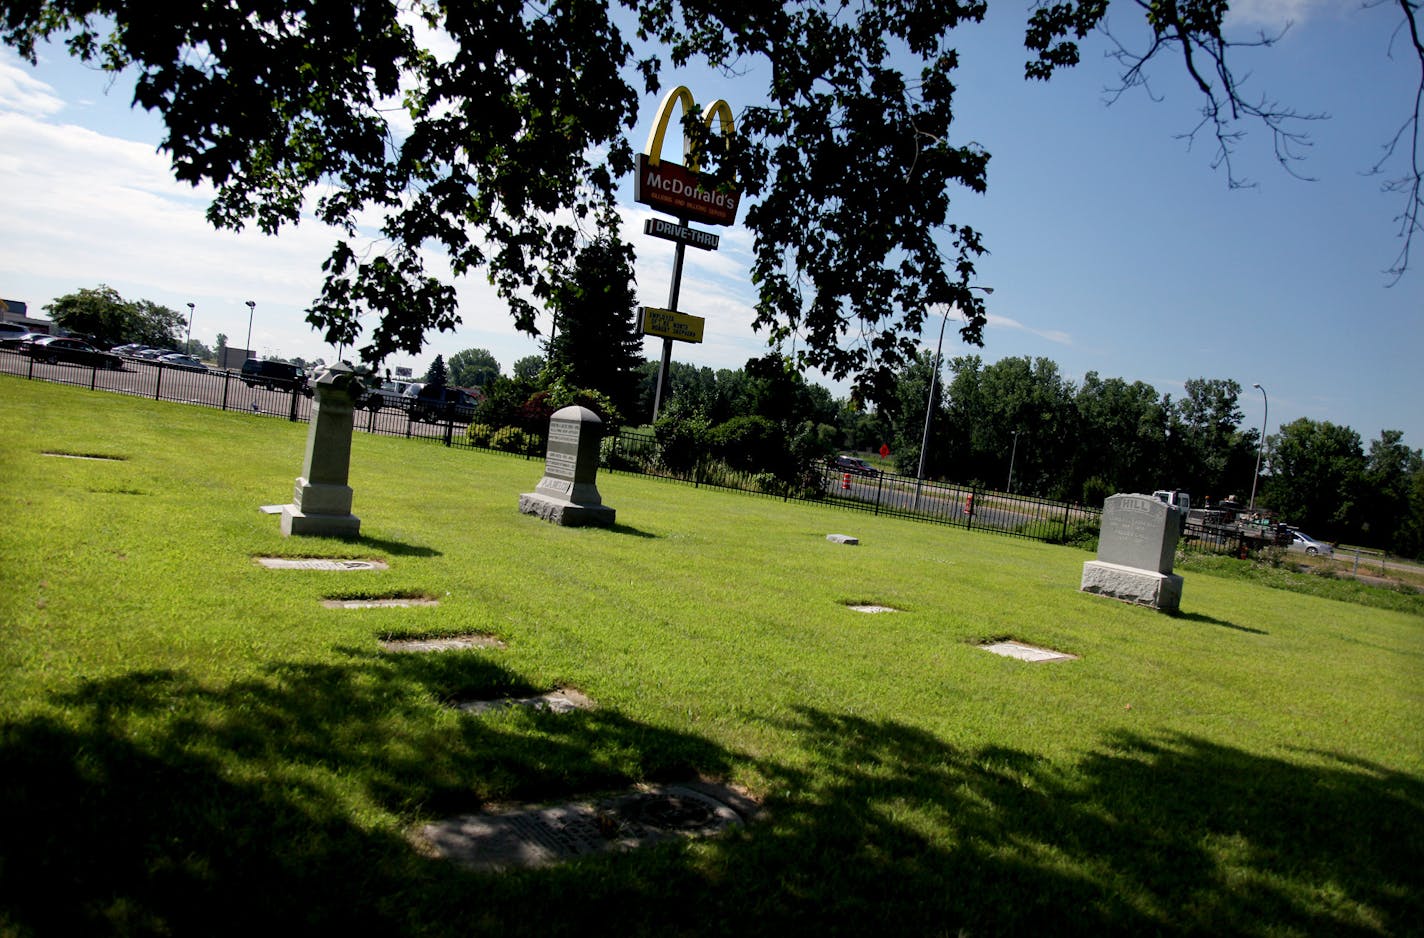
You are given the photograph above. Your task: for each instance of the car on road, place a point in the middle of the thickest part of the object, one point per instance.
(386, 394)
(855, 466)
(55, 349)
(274, 375)
(186, 362)
(20, 340)
(1304, 542)
(12, 330)
(432, 402)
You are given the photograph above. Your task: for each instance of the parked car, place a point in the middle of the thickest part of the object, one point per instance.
(1304, 542)
(12, 330)
(154, 354)
(21, 340)
(55, 349)
(386, 394)
(855, 466)
(274, 375)
(187, 362)
(433, 402)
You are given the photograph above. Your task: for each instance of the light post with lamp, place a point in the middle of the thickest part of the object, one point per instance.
(1262, 444)
(251, 307)
(929, 405)
(188, 342)
(1014, 452)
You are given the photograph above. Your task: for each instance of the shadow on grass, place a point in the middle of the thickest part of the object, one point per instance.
(156, 804)
(1213, 620)
(632, 531)
(397, 548)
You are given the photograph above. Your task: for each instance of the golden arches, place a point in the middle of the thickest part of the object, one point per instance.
(719, 109)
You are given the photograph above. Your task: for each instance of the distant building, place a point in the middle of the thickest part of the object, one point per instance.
(17, 311)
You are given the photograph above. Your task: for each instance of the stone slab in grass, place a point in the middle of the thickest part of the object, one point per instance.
(870, 608)
(391, 602)
(1027, 652)
(843, 539)
(442, 643)
(320, 563)
(542, 836)
(559, 700)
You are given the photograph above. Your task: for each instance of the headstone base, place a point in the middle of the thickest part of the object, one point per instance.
(1161, 591)
(302, 524)
(566, 513)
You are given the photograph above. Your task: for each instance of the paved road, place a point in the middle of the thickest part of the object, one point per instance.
(221, 389)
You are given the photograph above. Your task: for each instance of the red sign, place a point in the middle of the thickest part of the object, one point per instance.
(677, 190)
(884, 451)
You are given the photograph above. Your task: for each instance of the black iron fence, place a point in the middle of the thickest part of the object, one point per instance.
(968, 506)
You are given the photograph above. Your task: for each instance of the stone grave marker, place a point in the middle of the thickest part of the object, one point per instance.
(568, 493)
(321, 501)
(1136, 547)
(540, 836)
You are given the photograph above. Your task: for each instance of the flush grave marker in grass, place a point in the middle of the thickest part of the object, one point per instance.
(870, 607)
(379, 602)
(320, 563)
(97, 457)
(541, 836)
(559, 700)
(441, 643)
(1023, 652)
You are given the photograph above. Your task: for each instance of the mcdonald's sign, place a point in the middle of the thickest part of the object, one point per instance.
(682, 190)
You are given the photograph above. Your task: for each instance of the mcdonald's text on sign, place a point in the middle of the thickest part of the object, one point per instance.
(670, 324)
(666, 230)
(677, 190)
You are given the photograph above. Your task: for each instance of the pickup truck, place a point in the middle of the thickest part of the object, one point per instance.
(388, 394)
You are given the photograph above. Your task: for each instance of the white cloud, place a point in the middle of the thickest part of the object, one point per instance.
(1277, 13)
(21, 91)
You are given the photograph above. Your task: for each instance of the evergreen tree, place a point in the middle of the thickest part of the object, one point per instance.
(437, 374)
(595, 343)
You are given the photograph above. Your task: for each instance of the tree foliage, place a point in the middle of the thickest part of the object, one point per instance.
(596, 343)
(438, 375)
(106, 317)
(472, 368)
(1317, 475)
(495, 133)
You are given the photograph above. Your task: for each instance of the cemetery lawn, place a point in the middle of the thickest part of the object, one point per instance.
(191, 743)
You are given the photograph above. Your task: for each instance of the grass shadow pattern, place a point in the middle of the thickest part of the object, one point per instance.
(159, 805)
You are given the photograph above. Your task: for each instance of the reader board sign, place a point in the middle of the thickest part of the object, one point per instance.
(670, 324)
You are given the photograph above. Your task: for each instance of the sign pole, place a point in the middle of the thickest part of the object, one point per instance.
(673, 292)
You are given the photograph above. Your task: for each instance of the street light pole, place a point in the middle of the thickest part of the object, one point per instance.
(1012, 454)
(251, 306)
(929, 405)
(1261, 445)
(188, 342)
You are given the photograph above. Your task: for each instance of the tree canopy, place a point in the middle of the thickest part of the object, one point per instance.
(472, 368)
(106, 317)
(495, 133)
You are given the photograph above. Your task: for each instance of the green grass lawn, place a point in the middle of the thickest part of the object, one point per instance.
(193, 744)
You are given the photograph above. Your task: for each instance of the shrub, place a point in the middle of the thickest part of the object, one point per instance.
(682, 439)
(515, 440)
(478, 434)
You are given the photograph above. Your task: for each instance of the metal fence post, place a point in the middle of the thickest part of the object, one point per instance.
(292, 413)
(879, 489)
(1066, 508)
(93, 376)
(158, 385)
(227, 379)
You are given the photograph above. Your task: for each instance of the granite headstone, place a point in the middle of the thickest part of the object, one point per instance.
(568, 493)
(321, 502)
(1136, 547)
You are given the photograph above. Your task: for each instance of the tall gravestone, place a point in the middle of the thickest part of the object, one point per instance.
(321, 503)
(568, 493)
(1136, 547)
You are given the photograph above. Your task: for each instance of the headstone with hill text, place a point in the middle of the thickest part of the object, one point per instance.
(1136, 547)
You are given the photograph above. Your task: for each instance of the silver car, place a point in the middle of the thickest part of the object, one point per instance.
(1304, 542)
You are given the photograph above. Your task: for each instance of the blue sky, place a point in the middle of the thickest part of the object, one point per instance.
(1115, 247)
